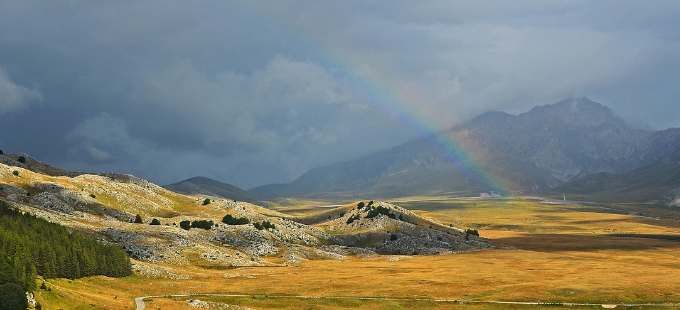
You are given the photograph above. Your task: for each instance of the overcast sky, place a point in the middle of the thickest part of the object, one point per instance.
(256, 92)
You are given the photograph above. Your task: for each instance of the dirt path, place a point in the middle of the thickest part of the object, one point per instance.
(139, 301)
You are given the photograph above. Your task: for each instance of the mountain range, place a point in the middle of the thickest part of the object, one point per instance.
(529, 153)
(210, 187)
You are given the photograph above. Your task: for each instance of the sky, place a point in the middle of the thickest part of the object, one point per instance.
(258, 92)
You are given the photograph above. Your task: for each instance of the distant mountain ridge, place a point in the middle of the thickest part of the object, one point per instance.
(528, 153)
(206, 186)
(657, 183)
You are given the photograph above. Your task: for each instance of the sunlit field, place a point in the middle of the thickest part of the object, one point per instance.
(546, 252)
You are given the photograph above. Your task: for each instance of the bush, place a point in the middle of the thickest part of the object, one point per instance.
(155, 221)
(21, 159)
(394, 237)
(380, 210)
(360, 205)
(93, 196)
(2, 153)
(230, 220)
(186, 225)
(15, 173)
(138, 219)
(202, 224)
(264, 225)
(469, 232)
(206, 201)
(353, 218)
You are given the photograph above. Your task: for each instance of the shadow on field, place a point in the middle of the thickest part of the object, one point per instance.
(582, 243)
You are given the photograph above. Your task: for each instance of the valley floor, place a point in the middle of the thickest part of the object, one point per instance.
(547, 252)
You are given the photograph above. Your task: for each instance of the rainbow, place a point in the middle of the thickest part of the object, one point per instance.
(397, 104)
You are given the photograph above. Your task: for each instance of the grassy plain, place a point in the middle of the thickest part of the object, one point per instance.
(548, 252)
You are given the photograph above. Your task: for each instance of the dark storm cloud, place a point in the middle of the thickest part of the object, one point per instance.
(257, 92)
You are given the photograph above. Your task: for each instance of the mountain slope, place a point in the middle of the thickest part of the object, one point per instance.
(528, 153)
(210, 187)
(176, 229)
(658, 183)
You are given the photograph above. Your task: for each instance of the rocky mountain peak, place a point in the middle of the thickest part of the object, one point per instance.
(575, 113)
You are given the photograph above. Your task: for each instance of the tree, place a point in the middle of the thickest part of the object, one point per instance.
(360, 205)
(155, 221)
(2, 153)
(206, 201)
(186, 225)
(393, 237)
(469, 232)
(21, 159)
(138, 219)
(13, 297)
(230, 220)
(15, 173)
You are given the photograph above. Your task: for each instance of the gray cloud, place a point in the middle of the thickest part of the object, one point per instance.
(15, 97)
(254, 92)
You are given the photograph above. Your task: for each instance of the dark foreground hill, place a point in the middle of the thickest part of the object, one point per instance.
(529, 153)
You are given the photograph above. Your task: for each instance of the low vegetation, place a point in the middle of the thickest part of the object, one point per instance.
(231, 220)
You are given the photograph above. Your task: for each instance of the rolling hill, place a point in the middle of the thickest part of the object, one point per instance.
(529, 153)
(158, 227)
(206, 186)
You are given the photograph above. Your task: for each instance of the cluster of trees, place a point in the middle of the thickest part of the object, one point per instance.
(361, 204)
(230, 220)
(264, 225)
(353, 218)
(30, 246)
(186, 225)
(373, 212)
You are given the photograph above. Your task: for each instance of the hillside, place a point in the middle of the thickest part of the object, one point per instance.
(657, 183)
(177, 229)
(210, 187)
(529, 153)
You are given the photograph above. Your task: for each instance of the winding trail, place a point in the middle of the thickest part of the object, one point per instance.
(139, 301)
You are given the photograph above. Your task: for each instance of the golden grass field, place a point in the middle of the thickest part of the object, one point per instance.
(547, 252)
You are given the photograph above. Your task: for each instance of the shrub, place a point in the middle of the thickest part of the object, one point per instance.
(155, 221)
(360, 205)
(393, 237)
(202, 224)
(264, 225)
(186, 225)
(93, 195)
(21, 159)
(15, 173)
(380, 210)
(2, 153)
(353, 218)
(138, 219)
(206, 201)
(469, 232)
(230, 220)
